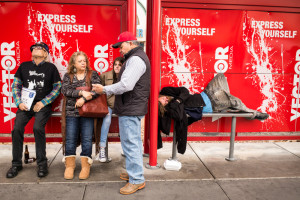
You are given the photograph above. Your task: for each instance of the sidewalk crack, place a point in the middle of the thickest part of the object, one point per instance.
(203, 163)
(215, 179)
(84, 192)
(217, 182)
(286, 150)
(55, 156)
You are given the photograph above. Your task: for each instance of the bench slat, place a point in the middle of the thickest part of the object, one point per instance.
(227, 114)
(58, 114)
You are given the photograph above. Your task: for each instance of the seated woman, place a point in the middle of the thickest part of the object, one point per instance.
(73, 125)
(176, 103)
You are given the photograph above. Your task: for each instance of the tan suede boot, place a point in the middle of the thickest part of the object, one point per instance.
(70, 167)
(86, 163)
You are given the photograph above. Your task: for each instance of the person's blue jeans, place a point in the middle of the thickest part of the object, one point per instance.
(105, 128)
(84, 125)
(131, 141)
(208, 107)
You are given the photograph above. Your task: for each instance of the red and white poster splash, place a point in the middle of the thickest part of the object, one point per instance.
(259, 52)
(66, 28)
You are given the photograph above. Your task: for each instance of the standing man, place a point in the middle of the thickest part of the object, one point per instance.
(131, 104)
(42, 77)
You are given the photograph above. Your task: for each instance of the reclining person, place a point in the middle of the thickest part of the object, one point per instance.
(176, 103)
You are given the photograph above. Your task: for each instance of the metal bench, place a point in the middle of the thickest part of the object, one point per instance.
(214, 116)
(232, 134)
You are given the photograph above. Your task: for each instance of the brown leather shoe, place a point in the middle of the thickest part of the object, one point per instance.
(124, 176)
(131, 188)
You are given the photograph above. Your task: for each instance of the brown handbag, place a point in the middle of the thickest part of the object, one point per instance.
(94, 108)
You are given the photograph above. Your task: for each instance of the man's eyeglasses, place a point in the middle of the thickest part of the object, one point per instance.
(38, 57)
(39, 48)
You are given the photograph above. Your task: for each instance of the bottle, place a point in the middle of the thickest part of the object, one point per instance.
(26, 154)
(31, 160)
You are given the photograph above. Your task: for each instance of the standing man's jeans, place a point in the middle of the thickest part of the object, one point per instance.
(22, 118)
(86, 127)
(131, 141)
(105, 128)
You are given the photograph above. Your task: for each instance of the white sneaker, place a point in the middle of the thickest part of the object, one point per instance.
(102, 156)
(96, 157)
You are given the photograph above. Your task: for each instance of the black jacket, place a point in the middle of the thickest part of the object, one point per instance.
(175, 110)
(183, 94)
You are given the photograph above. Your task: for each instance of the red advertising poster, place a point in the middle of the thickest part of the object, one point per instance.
(66, 28)
(259, 52)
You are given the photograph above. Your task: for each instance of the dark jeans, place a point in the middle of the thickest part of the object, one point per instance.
(84, 125)
(22, 118)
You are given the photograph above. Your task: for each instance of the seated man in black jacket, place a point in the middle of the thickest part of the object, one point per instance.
(42, 77)
(176, 103)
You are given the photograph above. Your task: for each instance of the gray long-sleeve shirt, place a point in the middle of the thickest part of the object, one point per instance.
(135, 68)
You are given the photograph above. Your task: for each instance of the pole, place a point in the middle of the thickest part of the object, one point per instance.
(131, 16)
(148, 52)
(232, 138)
(155, 80)
(174, 149)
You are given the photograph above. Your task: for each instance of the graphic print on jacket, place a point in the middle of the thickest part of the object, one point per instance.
(36, 80)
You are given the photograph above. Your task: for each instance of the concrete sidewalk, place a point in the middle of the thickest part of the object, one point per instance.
(262, 171)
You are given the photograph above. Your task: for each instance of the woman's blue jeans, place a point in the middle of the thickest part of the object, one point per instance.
(105, 128)
(85, 126)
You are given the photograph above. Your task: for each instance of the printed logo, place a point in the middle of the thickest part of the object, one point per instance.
(224, 60)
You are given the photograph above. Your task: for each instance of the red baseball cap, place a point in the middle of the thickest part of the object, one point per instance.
(124, 37)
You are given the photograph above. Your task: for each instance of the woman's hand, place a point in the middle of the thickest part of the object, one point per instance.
(79, 103)
(87, 95)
